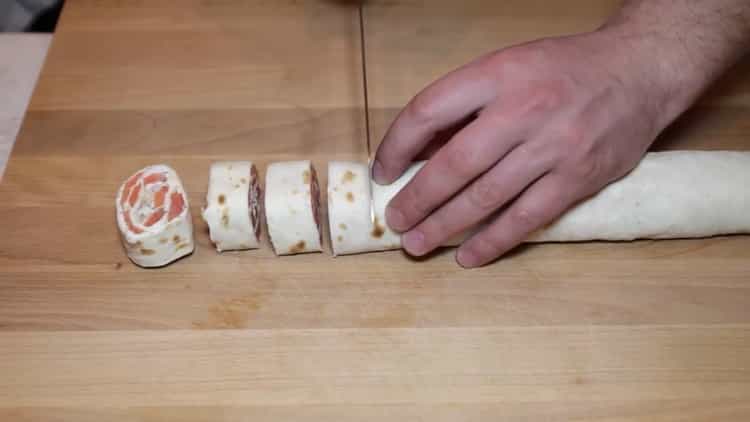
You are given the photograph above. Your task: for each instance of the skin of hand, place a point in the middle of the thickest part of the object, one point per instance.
(553, 122)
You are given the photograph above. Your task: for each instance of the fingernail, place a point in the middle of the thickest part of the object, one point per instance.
(378, 173)
(395, 219)
(413, 242)
(466, 258)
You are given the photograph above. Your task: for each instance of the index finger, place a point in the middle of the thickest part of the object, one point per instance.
(439, 106)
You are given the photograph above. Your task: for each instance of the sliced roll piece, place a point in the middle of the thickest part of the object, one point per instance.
(292, 201)
(678, 194)
(153, 217)
(232, 209)
(350, 223)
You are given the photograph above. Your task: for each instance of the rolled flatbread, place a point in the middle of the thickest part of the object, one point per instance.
(232, 209)
(292, 201)
(669, 195)
(678, 194)
(350, 223)
(153, 217)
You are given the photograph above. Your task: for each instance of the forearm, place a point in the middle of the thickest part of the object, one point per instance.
(683, 45)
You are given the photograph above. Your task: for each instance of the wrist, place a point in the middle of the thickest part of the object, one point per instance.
(655, 69)
(672, 58)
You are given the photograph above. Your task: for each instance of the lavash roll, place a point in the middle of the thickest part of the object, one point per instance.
(232, 209)
(677, 194)
(153, 217)
(292, 201)
(669, 195)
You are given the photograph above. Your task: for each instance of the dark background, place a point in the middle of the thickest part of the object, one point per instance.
(29, 15)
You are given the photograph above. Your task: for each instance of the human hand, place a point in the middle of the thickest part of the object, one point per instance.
(556, 121)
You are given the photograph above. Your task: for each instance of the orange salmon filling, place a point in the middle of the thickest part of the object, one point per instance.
(143, 200)
(154, 217)
(160, 196)
(177, 205)
(129, 185)
(134, 195)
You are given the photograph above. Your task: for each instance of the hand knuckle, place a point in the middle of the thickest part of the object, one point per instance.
(416, 204)
(435, 230)
(421, 109)
(519, 55)
(592, 167)
(523, 57)
(588, 169)
(579, 153)
(526, 218)
(460, 162)
(507, 62)
(485, 194)
(535, 151)
(547, 96)
(575, 135)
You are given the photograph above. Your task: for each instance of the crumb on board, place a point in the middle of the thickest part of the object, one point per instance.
(147, 251)
(222, 199)
(350, 196)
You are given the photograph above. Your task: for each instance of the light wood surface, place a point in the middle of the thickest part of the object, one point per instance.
(655, 331)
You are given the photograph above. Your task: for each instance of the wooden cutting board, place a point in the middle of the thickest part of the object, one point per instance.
(595, 331)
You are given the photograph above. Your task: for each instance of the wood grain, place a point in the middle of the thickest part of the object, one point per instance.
(651, 330)
(375, 366)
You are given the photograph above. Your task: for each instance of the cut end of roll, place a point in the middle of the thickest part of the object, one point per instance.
(233, 210)
(153, 217)
(352, 228)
